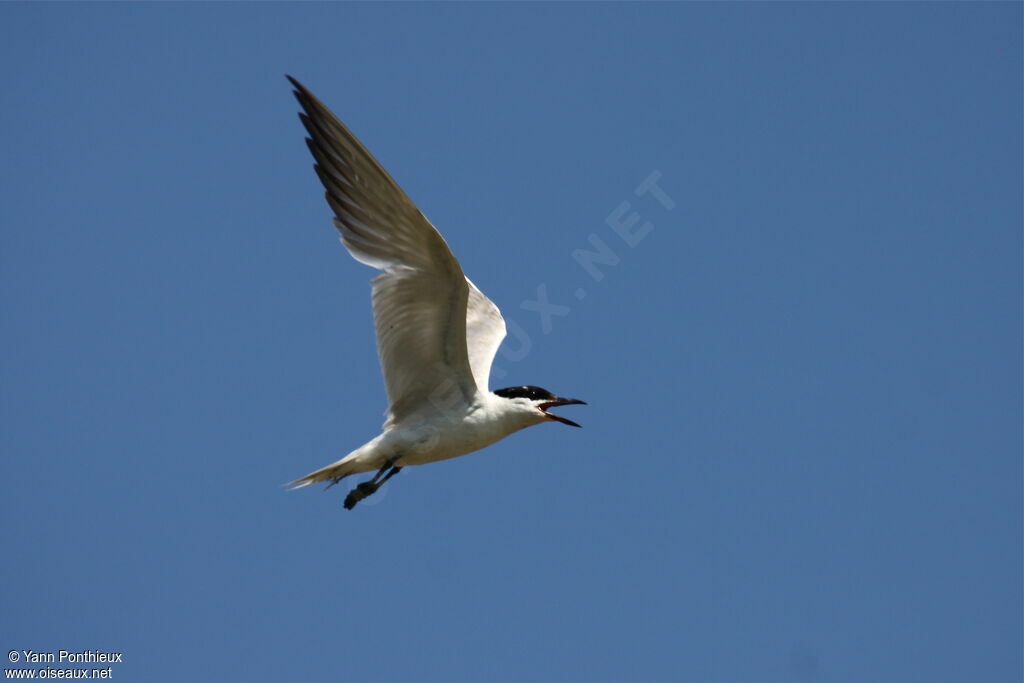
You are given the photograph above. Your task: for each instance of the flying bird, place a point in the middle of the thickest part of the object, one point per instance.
(437, 333)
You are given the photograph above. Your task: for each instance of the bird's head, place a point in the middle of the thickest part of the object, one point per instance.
(537, 401)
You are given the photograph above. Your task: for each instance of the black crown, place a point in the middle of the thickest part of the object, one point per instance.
(530, 392)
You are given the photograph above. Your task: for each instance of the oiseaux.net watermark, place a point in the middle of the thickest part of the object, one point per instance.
(631, 225)
(62, 664)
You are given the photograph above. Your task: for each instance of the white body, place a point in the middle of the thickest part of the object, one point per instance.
(437, 333)
(431, 437)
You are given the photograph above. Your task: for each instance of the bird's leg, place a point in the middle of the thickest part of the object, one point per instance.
(368, 488)
(381, 471)
(393, 472)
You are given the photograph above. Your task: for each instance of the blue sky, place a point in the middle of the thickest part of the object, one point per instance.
(801, 460)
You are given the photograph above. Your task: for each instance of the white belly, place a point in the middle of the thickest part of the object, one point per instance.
(442, 438)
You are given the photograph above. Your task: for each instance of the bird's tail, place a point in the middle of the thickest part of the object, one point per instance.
(334, 473)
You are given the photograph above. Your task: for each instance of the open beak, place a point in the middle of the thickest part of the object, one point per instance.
(561, 402)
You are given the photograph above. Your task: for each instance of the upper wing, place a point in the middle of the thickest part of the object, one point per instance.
(485, 328)
(419, 301)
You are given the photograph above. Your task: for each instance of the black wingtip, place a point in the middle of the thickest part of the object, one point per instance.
(300, 92)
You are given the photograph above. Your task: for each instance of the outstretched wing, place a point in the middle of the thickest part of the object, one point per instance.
(420, 298)
(485, 328)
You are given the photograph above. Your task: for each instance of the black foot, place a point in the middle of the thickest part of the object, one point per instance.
(367, 488)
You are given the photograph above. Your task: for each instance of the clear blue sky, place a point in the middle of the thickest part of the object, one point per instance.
(801, 460)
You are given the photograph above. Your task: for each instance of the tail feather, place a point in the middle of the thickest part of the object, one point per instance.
(334, 472)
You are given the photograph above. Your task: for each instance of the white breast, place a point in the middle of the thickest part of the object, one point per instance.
(460, 432)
